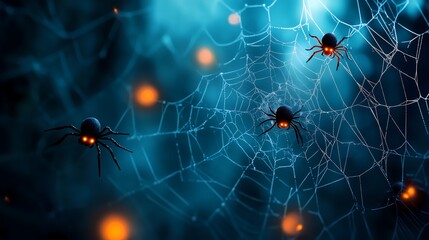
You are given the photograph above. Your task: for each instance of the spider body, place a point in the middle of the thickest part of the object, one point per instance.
(90, 135)
(285, 118)
(89, 129)
(329, 47)
(329, 42)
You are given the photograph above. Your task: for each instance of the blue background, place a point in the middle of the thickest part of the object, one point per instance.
(198, 170)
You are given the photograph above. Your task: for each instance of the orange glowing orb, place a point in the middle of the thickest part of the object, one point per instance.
(205, 57)
(234, 19)
(146, 95)
(291, 224)
(114, 227)
(115, 10)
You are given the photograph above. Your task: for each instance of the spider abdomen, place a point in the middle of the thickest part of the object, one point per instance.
(284, 114)
(90, 126)
(329, 40)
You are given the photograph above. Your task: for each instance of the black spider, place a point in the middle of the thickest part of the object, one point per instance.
(329, 47)
(284, 119)
(90, 134)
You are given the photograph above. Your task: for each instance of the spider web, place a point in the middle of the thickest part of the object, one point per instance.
(197, 155)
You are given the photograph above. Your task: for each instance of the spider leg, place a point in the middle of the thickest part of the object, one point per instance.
(110, 132)
(338, 62)
(316, 38)
(267, 130)
(316, 46)
(271, 119)
(299, 124)
(117, 144)
(99, 158)
(336, 51)
(297, 112)
(269, 115)
(272, 111)
(341, 47)
(111, 153)
(342, 40)
(64, 137)
(302, 140)
(63, 127)
(313, 54)
(297, 133)
(345, 50)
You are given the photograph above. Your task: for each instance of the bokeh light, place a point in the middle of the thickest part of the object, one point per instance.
(114, 227)
(115, 10)
(292, 224)
(205, 57)
(234, 19)
(146, 95)
(6, 199)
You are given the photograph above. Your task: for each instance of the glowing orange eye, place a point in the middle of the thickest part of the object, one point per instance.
(411, 191)
(91, 140)
(408, 193)
(283, 124)
(84, 139)
(331, 49)
(326, 49)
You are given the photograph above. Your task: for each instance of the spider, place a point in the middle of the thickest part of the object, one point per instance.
(90, 134)
(409, 192)
(329, 47)
(284, 119)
